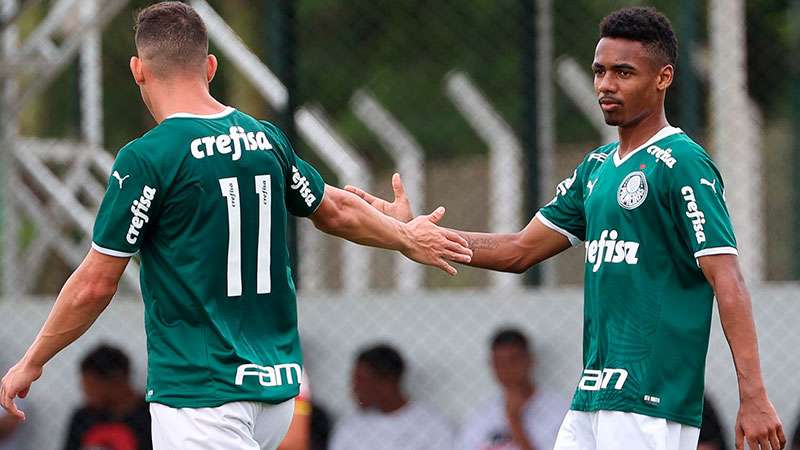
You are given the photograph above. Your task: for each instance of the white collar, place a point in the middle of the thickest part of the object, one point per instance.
(218, 115)
(662, 133)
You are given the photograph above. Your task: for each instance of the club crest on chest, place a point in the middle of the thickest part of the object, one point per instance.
(632, 191)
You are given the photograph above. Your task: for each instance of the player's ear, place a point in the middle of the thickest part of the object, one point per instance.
(137, 70)
(665, 77)
(211, 67)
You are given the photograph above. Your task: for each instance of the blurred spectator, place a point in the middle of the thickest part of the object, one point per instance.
(320, 427)
(9, 430)
(711, 435)
(523, 417)
(115, 416)
(310, 428)
(387, 419)
(299, 434)
(794, 443)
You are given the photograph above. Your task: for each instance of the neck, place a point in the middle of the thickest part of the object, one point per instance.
(632, 137)
(392, 403)
(126, 402)
(525, 389)
(187, 96)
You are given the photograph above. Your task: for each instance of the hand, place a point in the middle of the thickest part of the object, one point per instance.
(399, 209)
(435, 246)
(758, 424)
(15, 384)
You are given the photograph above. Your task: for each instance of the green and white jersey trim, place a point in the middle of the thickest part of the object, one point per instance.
(109, 252)
(716, 251)
(218, 115)
(573, 240)
(663, 133)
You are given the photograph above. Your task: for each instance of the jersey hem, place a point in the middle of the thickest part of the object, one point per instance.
(716, 251)
(681, 419)
(110, 252)
(573, 240)
(216, 402)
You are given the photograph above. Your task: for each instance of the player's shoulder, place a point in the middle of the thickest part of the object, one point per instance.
(678, 148)
(159, 142)
(599, 154)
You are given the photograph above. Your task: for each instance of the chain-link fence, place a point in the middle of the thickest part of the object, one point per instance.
(482, 106)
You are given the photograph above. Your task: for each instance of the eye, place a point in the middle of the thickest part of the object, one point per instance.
(624, 74)
(598, 71)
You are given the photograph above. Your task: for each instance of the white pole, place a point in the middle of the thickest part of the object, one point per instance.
(735, 133)
(409, 159)
(505, 162)
(9, 135)
(351, 168)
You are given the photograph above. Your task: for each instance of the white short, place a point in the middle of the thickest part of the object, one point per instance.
(236, 425)
(614, 430)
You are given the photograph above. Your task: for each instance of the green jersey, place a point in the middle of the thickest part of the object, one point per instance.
(644, 220)
(204, 200)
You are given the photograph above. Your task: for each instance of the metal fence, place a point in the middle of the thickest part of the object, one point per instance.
(482, 106)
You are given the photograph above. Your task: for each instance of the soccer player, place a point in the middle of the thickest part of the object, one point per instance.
(650, 211)
(204, 198)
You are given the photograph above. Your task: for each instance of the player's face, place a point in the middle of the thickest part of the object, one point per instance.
(628, 81)
(512, 365)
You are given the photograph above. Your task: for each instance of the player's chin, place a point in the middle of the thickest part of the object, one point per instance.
(613, 120)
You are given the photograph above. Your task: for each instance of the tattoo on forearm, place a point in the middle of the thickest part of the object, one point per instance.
(482, 242)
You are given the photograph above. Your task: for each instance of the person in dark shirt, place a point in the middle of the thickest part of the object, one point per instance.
(115, 415)
(711, 435)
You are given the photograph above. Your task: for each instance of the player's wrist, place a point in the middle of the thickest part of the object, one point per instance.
(752, 391)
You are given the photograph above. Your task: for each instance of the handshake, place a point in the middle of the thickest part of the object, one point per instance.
(423, 240)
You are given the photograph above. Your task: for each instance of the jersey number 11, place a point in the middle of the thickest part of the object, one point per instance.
(230, 190)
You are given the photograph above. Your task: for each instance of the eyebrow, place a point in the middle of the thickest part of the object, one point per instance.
(617, 67)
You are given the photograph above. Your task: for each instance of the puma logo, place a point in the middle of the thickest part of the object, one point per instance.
(590, 186)
(712, 185)
(115, 174)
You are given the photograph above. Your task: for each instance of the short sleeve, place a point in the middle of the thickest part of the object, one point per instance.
(565, 213)
(697, 204)
(304, 185)
(129, 206)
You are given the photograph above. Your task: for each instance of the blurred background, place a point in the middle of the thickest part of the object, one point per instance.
(482, 105)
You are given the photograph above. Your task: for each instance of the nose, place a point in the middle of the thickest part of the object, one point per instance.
(604, 83)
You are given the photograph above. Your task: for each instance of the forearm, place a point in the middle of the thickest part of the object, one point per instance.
(76, 308)
(495, 251)
(737, 322)
(514, 252)
(348, 217)
(736, 316)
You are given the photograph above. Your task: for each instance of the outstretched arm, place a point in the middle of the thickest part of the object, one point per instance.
(514, 252)
(84, 296)
(345, 215)
(757, 422)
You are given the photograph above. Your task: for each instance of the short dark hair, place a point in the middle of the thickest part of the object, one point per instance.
(106, 361)
(384, 360)
(510, 336)
(646, 25)
(172, 36)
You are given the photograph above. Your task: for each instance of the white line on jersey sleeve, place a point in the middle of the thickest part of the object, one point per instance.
(109, 252)
(716, 251)
(546, 222)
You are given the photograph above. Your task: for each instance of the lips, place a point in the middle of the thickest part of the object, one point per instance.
(609, 104)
